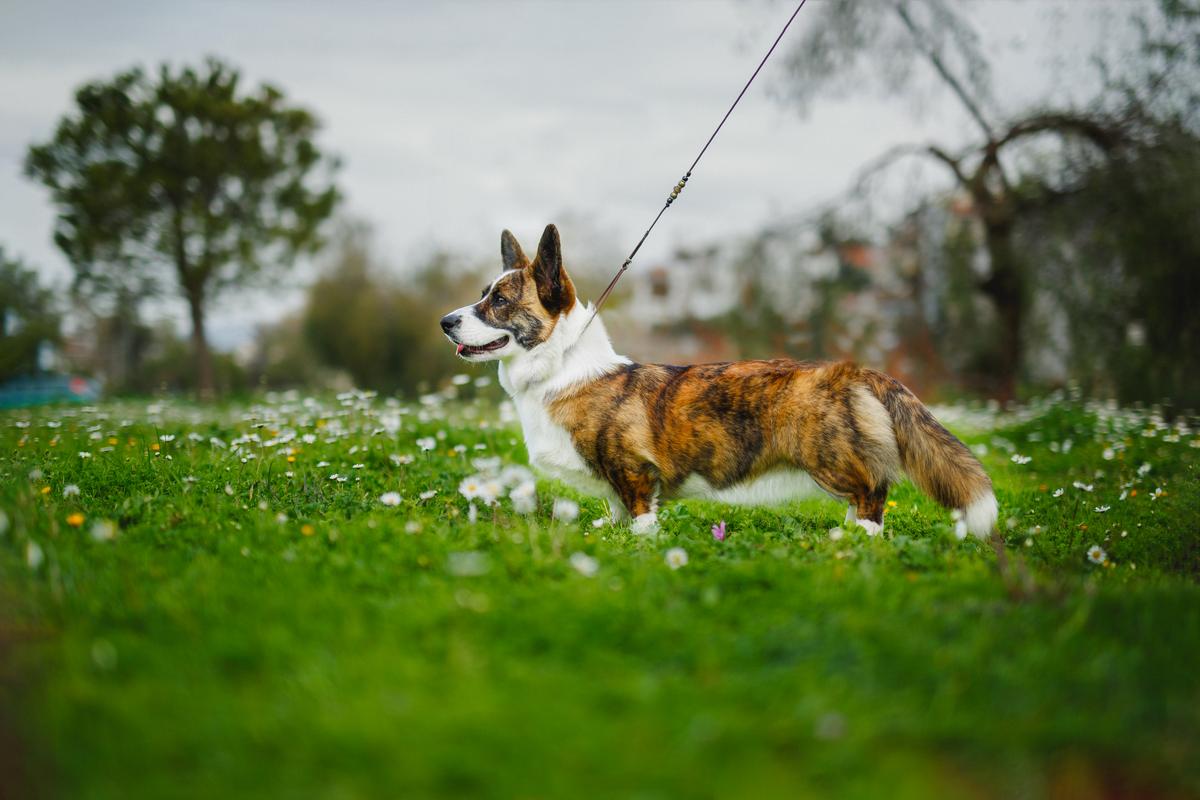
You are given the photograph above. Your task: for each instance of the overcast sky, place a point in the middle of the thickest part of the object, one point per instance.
(455, 120)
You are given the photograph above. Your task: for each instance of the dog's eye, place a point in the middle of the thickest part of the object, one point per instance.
(499, 300)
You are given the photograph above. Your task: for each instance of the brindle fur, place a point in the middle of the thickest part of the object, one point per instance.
(648, 427)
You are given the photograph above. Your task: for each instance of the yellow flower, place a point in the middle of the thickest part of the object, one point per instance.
(307, 530)
(291, 459)
(75, 520)
(154, 446)
(892, 503)
(112, 440)
(45, 490)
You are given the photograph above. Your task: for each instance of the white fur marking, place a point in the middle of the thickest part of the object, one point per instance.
(872, 528)
(771, 488)
(851, 515)
(645, 524)
(980, 516)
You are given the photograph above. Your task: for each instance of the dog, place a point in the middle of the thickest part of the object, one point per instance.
(748, 432)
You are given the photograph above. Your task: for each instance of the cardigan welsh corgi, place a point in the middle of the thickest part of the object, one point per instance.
(753, 432)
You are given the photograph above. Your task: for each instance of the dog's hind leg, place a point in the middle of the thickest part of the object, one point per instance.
(868, 508)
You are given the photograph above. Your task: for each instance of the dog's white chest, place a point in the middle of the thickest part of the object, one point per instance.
(551, 450)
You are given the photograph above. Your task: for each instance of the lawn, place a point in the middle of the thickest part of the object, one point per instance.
(232, 602)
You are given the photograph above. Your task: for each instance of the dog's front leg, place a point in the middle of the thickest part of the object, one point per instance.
(637, 486)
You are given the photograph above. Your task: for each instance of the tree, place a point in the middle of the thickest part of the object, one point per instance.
(895, 37)
(28, 318)
(383, 333)
(184, 180)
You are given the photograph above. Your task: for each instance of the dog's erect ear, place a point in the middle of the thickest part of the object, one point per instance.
(511, 253)
(554, 287)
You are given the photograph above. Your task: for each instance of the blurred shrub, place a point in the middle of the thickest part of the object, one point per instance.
(28, 318)
(382, 329)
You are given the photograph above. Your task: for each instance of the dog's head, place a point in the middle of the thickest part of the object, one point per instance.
(520, 308)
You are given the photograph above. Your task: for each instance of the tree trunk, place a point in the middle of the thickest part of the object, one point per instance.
(1006, 290)
(205, 384)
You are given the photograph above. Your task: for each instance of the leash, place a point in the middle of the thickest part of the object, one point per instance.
(679, 187)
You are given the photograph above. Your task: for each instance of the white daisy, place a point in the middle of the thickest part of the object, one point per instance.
(390, 498)
(524, 497)
(1096, 554)
(469, 488)
(1058, 492)
(676, 557)
(565, 510)
(104, 530)
(584, 564)
(70, 490)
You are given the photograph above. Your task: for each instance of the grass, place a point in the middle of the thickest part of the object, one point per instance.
(255, 628)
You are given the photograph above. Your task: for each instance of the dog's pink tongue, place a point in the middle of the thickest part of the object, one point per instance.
(458, 351)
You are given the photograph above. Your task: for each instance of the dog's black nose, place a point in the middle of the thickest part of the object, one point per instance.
(450, 322)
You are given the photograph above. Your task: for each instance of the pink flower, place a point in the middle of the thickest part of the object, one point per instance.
(718, 531)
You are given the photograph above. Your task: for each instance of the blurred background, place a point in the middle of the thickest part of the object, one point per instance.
(986, 199)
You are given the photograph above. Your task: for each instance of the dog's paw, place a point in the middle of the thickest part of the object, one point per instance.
(872, 528)
(645, 524)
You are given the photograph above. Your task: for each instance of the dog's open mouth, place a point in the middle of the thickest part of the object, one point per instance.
(473, 350)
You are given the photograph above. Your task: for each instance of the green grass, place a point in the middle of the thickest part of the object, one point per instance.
(253, 633)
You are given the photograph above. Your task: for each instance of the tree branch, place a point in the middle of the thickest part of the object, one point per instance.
(1107, 137)
(904, 150)
(938, 64)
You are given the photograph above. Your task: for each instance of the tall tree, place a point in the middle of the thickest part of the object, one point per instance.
(28, 318)
(850, 38)
(184, 180)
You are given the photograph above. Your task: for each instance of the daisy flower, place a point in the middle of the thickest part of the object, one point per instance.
(104, 530)
(676, 557)
(490, 491)
(390, 498)
(524, 497)
(565, 510)
(584, 564)
(1058, 492)
(470, 487)
(70, 490)
(1096, 554)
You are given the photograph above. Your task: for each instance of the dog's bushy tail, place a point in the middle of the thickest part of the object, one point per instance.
(937, 462)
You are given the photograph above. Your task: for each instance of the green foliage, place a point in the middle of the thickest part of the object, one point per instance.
(183, 180)
(382, 330)
(214, 648)
(28, 318)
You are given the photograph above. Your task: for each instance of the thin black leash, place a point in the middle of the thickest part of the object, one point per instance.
(683, 181)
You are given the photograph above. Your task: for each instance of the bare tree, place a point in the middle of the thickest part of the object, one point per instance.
(853, 42)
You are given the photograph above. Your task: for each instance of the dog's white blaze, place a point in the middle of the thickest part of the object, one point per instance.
(771, 488)
(475, 332)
